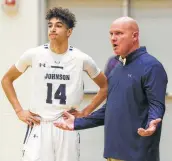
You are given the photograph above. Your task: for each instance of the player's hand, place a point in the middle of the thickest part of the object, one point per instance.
(77, 114)
(150, 130)
(28, 117)
(67, 123)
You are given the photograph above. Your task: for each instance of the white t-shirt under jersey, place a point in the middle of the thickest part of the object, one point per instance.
(57, 78)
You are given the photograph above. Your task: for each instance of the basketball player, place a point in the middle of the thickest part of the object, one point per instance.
(57, 86)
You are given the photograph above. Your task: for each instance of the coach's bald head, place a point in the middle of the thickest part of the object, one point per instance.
(124, 33)
(127, 23)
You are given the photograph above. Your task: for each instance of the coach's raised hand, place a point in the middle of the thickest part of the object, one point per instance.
(28, 117)
(151, 129)
(67, 123)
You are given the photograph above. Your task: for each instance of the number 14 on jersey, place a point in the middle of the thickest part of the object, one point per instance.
(59, 94)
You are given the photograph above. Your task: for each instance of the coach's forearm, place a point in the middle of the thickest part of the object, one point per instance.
(9, 90)
(93, 120)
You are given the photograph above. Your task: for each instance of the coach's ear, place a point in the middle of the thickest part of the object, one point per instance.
(69, 32)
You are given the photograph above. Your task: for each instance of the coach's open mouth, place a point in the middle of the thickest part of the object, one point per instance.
(115, 45)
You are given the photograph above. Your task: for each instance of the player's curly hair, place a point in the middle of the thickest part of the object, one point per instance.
(63, 14)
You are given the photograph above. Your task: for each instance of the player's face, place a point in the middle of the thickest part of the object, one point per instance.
(58, 31)
(121, 38)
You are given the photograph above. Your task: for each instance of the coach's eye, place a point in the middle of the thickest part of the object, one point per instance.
(119, 33)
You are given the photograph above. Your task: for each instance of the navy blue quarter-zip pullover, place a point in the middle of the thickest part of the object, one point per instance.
(136, 95)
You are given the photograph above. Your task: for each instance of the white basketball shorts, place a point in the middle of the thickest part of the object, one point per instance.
(45, 142)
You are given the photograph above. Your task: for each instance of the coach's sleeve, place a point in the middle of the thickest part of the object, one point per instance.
(24, 61)
(155, 84)
(93, 120)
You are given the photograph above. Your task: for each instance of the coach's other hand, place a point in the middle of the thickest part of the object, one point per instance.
(151, 129)
(28, 117)
(67, 123)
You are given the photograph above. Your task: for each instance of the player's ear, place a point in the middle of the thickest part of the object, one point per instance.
(69, 32)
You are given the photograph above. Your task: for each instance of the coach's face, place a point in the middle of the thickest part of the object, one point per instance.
(122, 37)
(58, 31)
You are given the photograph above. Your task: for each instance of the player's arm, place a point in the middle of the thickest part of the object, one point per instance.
(101, 95)
(7, 84)
(100, 79)
(155, 83)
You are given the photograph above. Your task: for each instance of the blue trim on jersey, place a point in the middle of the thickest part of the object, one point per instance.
(46, 46)
(70, 48)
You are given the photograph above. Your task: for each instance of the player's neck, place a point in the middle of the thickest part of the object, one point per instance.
(59, 48)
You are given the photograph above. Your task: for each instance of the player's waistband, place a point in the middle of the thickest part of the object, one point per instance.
(56, 117)
(45, 120)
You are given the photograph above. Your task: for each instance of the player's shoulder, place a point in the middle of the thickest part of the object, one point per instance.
(78, 53)
(42, 48)
(37, 49)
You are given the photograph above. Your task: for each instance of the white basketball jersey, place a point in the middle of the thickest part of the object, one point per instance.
(57, 78)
